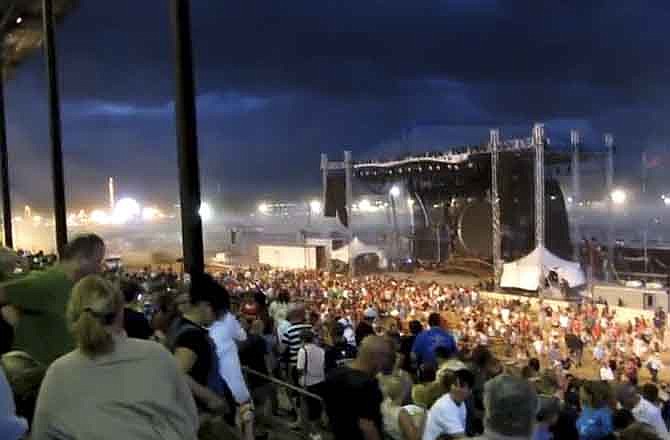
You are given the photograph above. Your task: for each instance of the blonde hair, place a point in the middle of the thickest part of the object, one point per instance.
(392, 387)
(94, 305)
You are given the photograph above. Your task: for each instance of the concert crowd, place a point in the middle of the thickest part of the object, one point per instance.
(90, 353)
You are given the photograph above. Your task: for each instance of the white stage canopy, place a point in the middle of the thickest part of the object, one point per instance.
(526, 273)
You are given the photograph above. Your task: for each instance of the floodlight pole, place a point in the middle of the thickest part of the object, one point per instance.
(187, 141)
(609, 145)
(538, 142)
(58, 175)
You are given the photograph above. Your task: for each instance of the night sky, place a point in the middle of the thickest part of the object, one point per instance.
(279, 82)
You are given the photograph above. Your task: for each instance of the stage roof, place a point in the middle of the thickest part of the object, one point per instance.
(21, 27)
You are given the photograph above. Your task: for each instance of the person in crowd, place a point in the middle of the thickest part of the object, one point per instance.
(292, 338)
(643, 410)
(41, 297)
(547, 417)
(338, 350)
(595, 420)
(510, 409)
(278, 309)
(365, 328)
(11, 426)
(654, 365)
(406, 344)
(428, 340)
(195, 352)
(311, 376)
(226, 333)
(622, 419)
(401, 421)
(448, 415)
(111, 386)
(134, 323)
(639, 431)
(352, 395)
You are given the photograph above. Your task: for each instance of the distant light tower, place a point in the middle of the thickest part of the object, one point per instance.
(112, 199)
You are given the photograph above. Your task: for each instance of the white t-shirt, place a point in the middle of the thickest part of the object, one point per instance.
(316, 358)
(646, 412)
(445, 417)
(606, 374)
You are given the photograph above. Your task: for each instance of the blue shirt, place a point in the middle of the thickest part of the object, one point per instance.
(595, 424)
(428, 340)
(542, 433)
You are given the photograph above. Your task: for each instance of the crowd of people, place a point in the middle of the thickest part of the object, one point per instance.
(152, 355)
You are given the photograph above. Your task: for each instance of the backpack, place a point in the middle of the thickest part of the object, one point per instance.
(215, 382)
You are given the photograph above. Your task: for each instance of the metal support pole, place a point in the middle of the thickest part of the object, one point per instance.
(609, 144)
(348, 178)
(187, 139)
(4, 166)
(324, 179)
(396, 234)
(538, 142)
(495, 208)
(58, 175)
(575, 140)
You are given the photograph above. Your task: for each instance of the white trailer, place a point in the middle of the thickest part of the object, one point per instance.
(291, 257)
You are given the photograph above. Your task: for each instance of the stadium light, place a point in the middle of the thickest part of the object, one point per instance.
(125, 210)
(206, 212)
(365, 205)
(315, 207)
(619, 196)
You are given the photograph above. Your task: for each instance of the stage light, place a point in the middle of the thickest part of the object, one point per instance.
(315, 207)
(206, 212)
(150, 214)
(619, 196)
(263, 208)
(100, 217)
(125, 210)
(19, 20)
(395, 191)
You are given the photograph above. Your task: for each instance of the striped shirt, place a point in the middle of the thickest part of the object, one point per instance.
(293, 340)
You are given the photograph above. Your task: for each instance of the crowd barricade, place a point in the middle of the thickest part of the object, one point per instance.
(275, 400)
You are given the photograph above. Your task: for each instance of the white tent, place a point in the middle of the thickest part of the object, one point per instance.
(355, 248)
(526, 273)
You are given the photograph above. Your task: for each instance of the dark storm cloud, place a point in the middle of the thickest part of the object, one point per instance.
(280, 82)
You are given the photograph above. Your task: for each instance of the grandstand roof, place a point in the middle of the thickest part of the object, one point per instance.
(21, 28)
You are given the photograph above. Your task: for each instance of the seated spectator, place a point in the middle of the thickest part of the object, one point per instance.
(448, 415)
(41, 297)
(510, 408)
(111, 386)
(401, 422)
(134, 323)
(11, 426)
